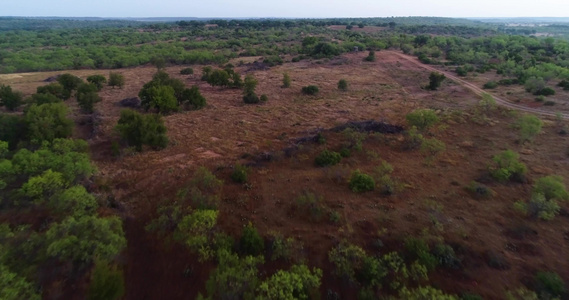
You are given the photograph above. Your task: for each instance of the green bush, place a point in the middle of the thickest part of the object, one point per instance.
(15, 287)
(490, 85)
(328, 158)
(446, 257)
(273, 60)
(161, 97)
(249, 86)
(370, 56)
(251, 243)
(47, 122)
(361, 182)
(435, 80)
(98, 80)
(564, 84)
(70, 83)
(424, 293)
(54, 88)
(187, 71)
(539, 207)
(193, 98)
(138, 130)
(419, 250)
(343, 85)
(286, 80)
(116, 79)
(251, 99)
(550, 285)
(508, 167)
(297, 283)
(40, 99)
(310, 90)
(87, 97)
(546, 91)
(551, 187)
(422, 118)
(196, 231)
(10, 99)
(264, 98)
(107, 283)
(240, 174)
(479, 190)
(529, 126)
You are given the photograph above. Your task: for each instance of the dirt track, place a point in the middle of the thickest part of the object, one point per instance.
(480, 91)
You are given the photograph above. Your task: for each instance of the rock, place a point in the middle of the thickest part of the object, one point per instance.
(526, 151)
(467, 144)
(51, 78)
(541, 170)
(130, 102)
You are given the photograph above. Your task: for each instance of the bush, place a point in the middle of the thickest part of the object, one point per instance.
(546, 91)
(549, 103)
(251, 99)
(551, 187)
(446, 257)
(539, 98)
(508, 167)
(419, 250)
(251, 243)
(55, 89)
(539, 207)
(138, 130)
(343, 85)
(187, 71)
(564, 84)
(286, 80)
(87, 97)
(239, 174)
(361, 182)
(160, 97)
(310, 90)
(550, 285)
(196, 231)
(107, 283)
(422, 118)
(70, 83)
(40, 99)
(10, 99)
(370, 56)
(297, 283)
(264, 98)
(432, 146)
(219, 78)
(98, 80)
(328, 158)
(534, 84)
(249, 86)
(479, 190)
(423, 293)
(529, 126)
(273, 60)
(116, 79)
(435, 80)
(47, 122)
(490, 85)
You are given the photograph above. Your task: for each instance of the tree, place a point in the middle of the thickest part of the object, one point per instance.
(14, 287)
(196, 232)
(219, 78)
(107, 283)
(116, 79)
(286, 80)
(371, 56)
(187, 71)
(310, 90)
(10, 99)
(193, 98)
(435, 80)
(161, 98)
(87, 97)
(234, 278)
(251, 242)
(507, 166)
(40, 99)
(297, 283)
(249, 86)
(361, 182)
(138, 130)
(74, 201)
(422, 118)
(82, 239)
(13, 129)
(47, 122)
(98, 80)
(69, 83)
(54, 88)
(343, 85)
(158, 62)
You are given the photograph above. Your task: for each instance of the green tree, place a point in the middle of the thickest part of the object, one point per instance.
(422, 118)
(138, 130)
(219, 78)
(87, 97)
(551, 187)
(74, 201)
(234, 278)
(196, 232)
(435, 80)
(187, 71)
(193, 98)
(161, 98)
(107, 283)
(251, 242)
(69, 83)
(14, 287)
(98, 80)
(310, 90)
(286, 80)
(54, 88)
(47, 122)
(361, 182)
(116, 79)
(371, 56)
(507, 166)
(10, 99)
(44, 186)
(13, 129)
(82, 239)
(40, 99)
(249, 87)
(297, 283)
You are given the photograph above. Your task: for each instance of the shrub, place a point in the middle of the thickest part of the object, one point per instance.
(432, 146)
(273, 60)
(40, 99)
(297, 283)
(507, 167)
(546, 91)
(239, 174)
(264, 98)
(251, 243)
(419, 250)
(529, 126)
(534, 84)
(287, 249)
(107, 283)
(219, 78)
(490, 85)
(445, 256)
(69, 83)
(54, 88)
(10, 99)
(549, 103)
(551, 187)
(87, 97)
(435, 80)
(422, 118)
(479, 190)
(461, 71)
(116, 79)
(361, 182)
(196, 231)
(538, 207)
(311, 203)
(550, 285)
(488, 103)
(15, 287)
(328, 158)
(286, 80)
(348, 260)
(187, 71)
(564, 84)
(160, 97)
(193, 98)
(98, 80)
(310, 90)
(234, 278)
(370, 56)
(343, 85)
(249, 86)
(539, 98)
(47, 122)
(138, 130)
(423, 293)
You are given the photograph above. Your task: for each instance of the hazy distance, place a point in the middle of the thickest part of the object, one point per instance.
(286, 9)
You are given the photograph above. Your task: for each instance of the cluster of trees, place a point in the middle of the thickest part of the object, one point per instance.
(165, 94)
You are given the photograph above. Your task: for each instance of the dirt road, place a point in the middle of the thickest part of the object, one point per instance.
(479, 91)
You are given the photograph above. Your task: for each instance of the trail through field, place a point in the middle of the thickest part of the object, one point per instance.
(479, 91)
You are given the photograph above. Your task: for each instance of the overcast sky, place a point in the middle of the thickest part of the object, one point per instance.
(283, 8)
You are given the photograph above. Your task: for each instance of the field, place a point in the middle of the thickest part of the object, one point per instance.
(499, 249)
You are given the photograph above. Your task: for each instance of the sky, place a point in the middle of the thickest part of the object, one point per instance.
(283, 8)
